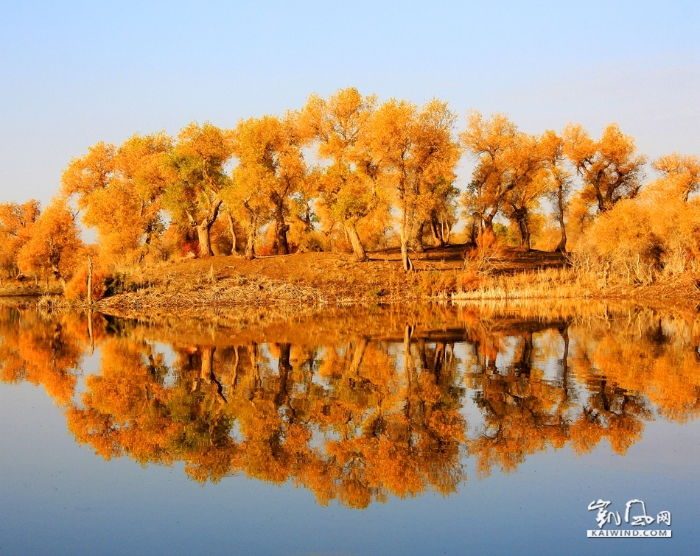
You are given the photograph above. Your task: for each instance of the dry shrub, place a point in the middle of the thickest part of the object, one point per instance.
(446, 283)
(468, 281)
(548, 237)
(438, 283)
(644, 239)
(482, 258)
(76, 288)
(315, 241)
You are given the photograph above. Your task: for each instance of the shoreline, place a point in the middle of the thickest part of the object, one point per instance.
(336, 279)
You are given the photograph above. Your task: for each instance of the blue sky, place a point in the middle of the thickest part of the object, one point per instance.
(74, 73)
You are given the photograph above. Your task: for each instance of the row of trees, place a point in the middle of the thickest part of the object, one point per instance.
(346, 170)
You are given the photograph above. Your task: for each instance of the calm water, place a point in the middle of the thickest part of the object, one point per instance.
(443, 430)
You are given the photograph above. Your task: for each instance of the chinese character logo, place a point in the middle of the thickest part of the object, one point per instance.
(635, 515)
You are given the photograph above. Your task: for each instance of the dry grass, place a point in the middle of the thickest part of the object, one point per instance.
(14, 288)
(308, 278)
(314, 279)
(573, 283)
(208, 291)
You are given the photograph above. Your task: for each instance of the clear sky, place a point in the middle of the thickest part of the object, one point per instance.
(74, 73)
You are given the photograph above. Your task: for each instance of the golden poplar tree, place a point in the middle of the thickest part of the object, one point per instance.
(492, 144)
(54, 247)
(610, 168)
(680, 172)
(271, 172)
(561, 184)
(119, 192)
(194, 197)
(416, 155)
(348, 187)
(15, 230)
(511, 174)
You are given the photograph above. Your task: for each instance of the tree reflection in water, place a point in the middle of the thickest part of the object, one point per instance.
(357, 405)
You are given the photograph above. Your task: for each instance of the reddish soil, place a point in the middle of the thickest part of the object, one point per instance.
(319, 269)
(337, 277)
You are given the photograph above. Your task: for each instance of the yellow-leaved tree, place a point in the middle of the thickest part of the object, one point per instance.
(491, 143)
(530, 179)
(54, 248)
(416, 156)
(514, 171)
(561, 183)
(15, 230)
(681, 174)
(194, 196)
(610, 168)
(119, 191)
(270, 174)
(349, 189)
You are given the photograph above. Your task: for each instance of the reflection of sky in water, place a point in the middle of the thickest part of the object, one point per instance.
(57, 497)
(169, 359)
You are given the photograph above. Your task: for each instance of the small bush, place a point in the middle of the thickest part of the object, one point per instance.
(488, 250)
(119, 282)
(642, 240)
(76, 288)
(468, 281)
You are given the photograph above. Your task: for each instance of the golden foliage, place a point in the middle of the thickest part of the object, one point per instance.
(610, 168)
(54, 247)
(347, 172)
(416, 158)
(193, 196)
(640, 240)
(119, 191)
(76, 288)
(348, 188)
(271, 172)
(681, 174)
(15, 230)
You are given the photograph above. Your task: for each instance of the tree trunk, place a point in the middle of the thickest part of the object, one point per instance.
(417, 239)
(91, 335)
(437, 226)
(357, 247)
(308, 221)
(204, 229)
(408, 363)
(520, 216)
(203, 236)
(405, 259)
(231, 231)
(604, 202)
(252, 232)
(89, 282)
(524, 232)
(207, 375)
(250, 245)
(446, 231)
(358, 355)
(473, 233)
(207, 369)
(523, 365)
(561, 248)
(281, 246)
(564, 331)
(284, 367)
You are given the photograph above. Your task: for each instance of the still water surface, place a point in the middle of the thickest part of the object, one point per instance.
(424, 430)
